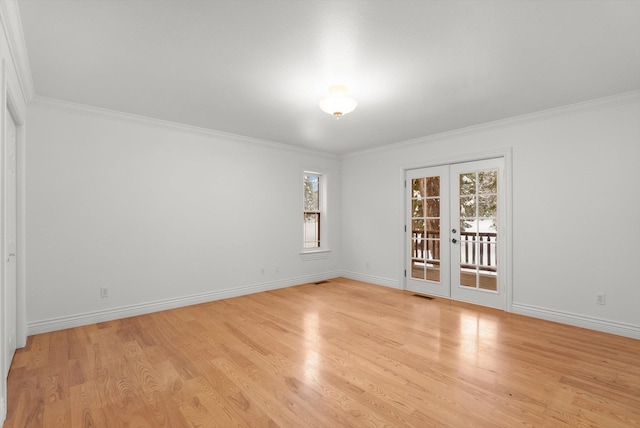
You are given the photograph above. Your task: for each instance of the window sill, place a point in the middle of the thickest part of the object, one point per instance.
(315, 254)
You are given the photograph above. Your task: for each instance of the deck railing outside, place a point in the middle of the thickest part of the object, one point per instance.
(426, 246)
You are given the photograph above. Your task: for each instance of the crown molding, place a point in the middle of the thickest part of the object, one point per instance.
(10, 17)
(613, 100)
(57, 104)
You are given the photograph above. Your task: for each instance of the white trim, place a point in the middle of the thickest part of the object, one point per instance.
(378, 280)
(324, 251)
(55, 104)
(315, 255)
(4, 369)
(507, 233)
(10, 16)
(3, 411)
(18, 116)
(619, 99)
(470, 157)
(61, 323)
(591, 323)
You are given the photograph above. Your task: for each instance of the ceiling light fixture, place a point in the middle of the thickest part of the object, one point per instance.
(337, 103)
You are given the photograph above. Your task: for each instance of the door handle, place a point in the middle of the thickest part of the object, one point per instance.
(454, 240)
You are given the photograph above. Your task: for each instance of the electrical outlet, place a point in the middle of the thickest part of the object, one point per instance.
(104, 292)
(600, 298)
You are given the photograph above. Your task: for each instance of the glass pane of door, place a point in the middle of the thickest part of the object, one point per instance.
(425, 228)
(453, 248)
(478, 202)
(476, 212)
(427, 222)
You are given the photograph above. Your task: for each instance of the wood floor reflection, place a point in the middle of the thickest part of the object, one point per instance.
(338, 354)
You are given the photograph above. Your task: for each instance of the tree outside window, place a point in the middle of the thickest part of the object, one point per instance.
(312, 210)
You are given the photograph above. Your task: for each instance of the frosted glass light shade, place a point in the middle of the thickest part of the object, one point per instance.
(337, 103)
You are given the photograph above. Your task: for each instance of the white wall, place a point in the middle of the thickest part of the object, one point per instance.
(576, 210)
(163, 216)
(160, 215)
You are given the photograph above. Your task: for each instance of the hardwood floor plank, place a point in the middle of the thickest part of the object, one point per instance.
(85, 407)
(227, 394)
(39, 351)
(338, 354)
(27, 409)
(252, 398)
(57, 414)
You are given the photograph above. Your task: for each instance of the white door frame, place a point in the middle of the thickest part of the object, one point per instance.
(506, 154)
(9, 91)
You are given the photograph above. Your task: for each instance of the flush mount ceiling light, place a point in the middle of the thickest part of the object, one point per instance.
(337, 103)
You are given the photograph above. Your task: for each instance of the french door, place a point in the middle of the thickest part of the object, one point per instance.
(453, 235)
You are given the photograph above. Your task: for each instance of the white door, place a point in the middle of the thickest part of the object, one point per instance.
(454, 223)
(9, 216)
(428, 269)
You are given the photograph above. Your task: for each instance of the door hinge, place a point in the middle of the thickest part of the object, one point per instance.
(405, 184)
(405, 227)
(405, 273)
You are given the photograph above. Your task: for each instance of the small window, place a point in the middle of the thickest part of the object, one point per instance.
(312, 219)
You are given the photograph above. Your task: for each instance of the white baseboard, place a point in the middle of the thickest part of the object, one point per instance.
(61, 323)
(77, 320)
(591, 323)
(3, 411)
(378, 280)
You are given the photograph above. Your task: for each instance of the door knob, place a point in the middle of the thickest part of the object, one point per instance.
(454, 240)
(453, 231)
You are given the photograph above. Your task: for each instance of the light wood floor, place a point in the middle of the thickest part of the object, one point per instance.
(338, 354)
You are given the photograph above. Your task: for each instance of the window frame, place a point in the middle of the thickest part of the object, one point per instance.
(322, 251)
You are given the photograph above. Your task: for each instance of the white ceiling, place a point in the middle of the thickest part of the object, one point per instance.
(258, 68)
